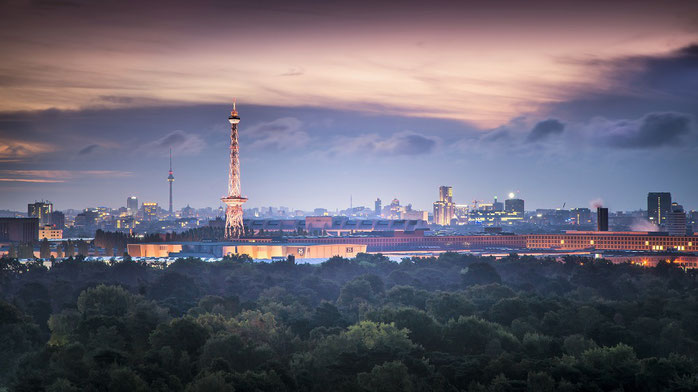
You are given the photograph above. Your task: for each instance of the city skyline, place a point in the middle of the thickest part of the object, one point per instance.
(484, 98)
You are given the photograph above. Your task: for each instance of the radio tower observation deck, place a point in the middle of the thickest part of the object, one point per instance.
(234, 200)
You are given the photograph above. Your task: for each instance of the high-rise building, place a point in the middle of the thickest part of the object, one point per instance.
(658, 207)
(446, 193)
(87, 219)
(58, 220)
(150, 211)
(378, 207)
(170, 179)
(602, 219)
(444, 208)
(132, 205)
(42, 210)
(581, 216)
(393, 211)
(514, 205)
(234, 200)
(676, 220)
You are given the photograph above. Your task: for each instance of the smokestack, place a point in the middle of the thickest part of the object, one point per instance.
(601, 219)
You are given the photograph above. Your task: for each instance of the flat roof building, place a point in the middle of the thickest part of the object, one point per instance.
(49, 233)
(262, 251)
(19, 229)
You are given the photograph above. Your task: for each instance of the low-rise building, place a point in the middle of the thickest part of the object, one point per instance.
(49, 233)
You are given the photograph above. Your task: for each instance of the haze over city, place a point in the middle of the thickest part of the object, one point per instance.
(560, 102)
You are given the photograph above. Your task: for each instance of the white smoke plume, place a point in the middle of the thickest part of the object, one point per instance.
(643, 225)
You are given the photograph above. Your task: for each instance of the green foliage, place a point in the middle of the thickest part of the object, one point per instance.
(456, 322)
(389, 377)
(480, 273)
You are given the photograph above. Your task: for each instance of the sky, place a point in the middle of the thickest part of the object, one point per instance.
(564, 103)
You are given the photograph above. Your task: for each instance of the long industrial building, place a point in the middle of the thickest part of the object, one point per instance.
(570, 240)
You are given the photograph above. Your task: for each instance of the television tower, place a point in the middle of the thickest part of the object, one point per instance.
(170, 179)
(234, 201)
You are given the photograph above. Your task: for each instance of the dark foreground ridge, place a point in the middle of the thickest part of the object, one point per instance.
(456, 323)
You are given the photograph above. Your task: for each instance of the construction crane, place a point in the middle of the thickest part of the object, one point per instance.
(475, 204)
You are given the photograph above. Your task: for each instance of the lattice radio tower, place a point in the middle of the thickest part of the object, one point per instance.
(234, 200)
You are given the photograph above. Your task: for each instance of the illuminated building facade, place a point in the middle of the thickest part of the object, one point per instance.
(41, 210)
(49, 233)
(233, 201)
(570, 241)
(658, 207)
(418, 241)
(256, 250)
(150, 211)
(613, 240)
(514, 205)
(125, 222)
(581, 216)
(444, 208)
(491, 214)
(132, 205)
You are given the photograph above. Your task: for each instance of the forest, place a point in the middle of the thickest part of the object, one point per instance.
(453, 323)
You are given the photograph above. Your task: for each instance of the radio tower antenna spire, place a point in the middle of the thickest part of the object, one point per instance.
(170, 179)
(234, 200)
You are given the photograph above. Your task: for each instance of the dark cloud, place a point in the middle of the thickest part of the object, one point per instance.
(496, 135)
(409, 144)
(651, 131)
(676, 74)
(174, 139)
(401, 143)
(88, 150)
(179, 141)
(637, 85)
(280, 134)
(545, 129)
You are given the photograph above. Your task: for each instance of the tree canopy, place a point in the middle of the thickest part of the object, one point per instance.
(452, 323)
